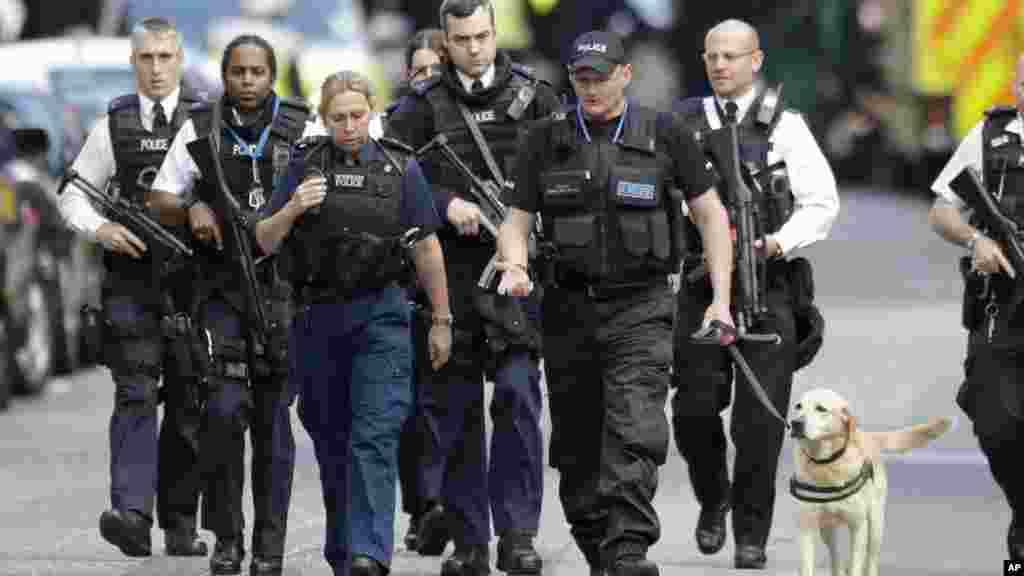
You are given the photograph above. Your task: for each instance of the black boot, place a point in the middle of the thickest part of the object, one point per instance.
(366, 566)
(266, 566)
(750, 557)
(433, 532)
(227, 556)
(1015, 541)
(468, 561)
(128, 530)
(632, 566)
(516, 554)
(183, 540)
(710, 533)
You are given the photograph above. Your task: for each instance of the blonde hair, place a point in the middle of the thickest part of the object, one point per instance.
(344, 81)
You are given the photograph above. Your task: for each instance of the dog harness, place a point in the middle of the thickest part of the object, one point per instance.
(822, 494)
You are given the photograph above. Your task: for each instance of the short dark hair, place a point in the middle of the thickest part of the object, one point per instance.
(425, 39)
(255, 41)
(463, 9)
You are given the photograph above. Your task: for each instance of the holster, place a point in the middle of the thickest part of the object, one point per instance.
(810, 324)
(973, 312)
(92, 329)
(506, 325)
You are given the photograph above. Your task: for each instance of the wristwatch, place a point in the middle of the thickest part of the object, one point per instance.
(972, 242)
(446, 320)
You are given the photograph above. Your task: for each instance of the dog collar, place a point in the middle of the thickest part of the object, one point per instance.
(821, 494)
(835, 456)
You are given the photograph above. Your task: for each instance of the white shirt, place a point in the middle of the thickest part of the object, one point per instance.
(95, 163)
(743, 103)
(486, 79)
(968, 154)
(815, 194)
(179, 172)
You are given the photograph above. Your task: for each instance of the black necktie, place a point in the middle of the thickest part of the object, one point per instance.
(159, 118)
(478, 86)
(730, 112)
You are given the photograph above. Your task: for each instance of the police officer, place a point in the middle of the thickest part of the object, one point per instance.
(479, 90)
(599, 176)
(348, 267)
(126, 149)
(423, 57)
(990, 393)
(248, 382)
(703, 376)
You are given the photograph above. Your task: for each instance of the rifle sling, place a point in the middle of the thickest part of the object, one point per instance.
(481, 144)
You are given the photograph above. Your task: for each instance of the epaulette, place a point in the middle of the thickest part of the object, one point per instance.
(1000, 110)
(397, 145)
(426, 85)
(300, 105)
(527, 72)
(310, 145)
(122, 102)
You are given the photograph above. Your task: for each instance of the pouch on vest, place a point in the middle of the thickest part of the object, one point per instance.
(92, 334)
(643, 224)
(973, 307)
(810, 324)
(573, 230)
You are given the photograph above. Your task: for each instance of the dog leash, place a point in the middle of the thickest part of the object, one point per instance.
(718, 332)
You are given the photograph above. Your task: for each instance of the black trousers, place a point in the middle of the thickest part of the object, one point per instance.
(992, 397)
(411, 442)
(703, 377)
(607, 365)
(178, 479)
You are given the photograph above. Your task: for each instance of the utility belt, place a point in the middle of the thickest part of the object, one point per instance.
(990, 305)
(605, 289)
(336, 293)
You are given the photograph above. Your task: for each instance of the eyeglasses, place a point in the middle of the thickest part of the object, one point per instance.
(727, 57)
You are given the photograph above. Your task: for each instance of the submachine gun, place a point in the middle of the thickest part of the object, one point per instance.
(1003, 229)
(487, 193)
(744, 211)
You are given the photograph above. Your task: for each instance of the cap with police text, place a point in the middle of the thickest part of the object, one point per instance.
(599, 50)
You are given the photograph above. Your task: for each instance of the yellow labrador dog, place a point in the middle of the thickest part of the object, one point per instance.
(840, 478)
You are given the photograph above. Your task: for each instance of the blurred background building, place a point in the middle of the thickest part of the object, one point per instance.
(888, 86)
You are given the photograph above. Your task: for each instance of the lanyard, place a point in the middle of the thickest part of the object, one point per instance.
(618, 130)
(256, 153)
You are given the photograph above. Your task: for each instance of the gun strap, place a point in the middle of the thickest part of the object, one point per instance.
(478, 137)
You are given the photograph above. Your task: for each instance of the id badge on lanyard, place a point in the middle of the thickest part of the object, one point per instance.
(257, 197)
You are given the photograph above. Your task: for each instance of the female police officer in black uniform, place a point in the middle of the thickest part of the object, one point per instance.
(344, 231)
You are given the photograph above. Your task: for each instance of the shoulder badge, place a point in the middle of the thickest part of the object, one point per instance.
(527, 72)
(122, 102)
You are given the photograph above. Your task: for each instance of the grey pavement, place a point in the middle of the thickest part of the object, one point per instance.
(890, 293)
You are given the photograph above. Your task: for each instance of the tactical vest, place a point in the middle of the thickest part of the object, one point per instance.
(351, 243)
(1003, 157)
(607, 204)
(500, 130)
(285, 129)
(754, 131)
(138, 154)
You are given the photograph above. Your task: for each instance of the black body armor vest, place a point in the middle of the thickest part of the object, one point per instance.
(1003, 156)
(605, 205)
(772, 191)
(138, 154)
(352, 243)
(500, 130)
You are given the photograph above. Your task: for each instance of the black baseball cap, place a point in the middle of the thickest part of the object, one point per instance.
(599, 50)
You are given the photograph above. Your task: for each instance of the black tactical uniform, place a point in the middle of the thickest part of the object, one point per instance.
(249, 388)
(602, 191)
(140, 344)
(704, 375)
(456, 475)
(991, 394)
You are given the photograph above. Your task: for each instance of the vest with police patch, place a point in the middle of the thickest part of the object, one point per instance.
(1003, 157)
(604, 205)
(754, 133)
(348, 244)
(138, 153)
(500, 130)
(285, 129)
